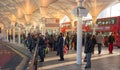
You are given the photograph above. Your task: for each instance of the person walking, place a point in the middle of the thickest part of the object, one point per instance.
(94, 42)
(88, 50)
(74, 40)
(57, 45)
(106, 41)
(41, 47)
(111, 40)
(29, 42)
(61, 47)
(99, 39)
(67, 41)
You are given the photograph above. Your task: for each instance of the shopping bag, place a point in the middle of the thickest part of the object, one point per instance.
(46, 50)
(65, 49)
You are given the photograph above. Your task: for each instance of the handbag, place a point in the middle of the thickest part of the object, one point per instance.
(65, 49)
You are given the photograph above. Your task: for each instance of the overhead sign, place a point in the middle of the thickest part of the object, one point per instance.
(51, 22)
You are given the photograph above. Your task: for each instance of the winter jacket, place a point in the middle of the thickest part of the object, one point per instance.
(89, 46)
(111, 39)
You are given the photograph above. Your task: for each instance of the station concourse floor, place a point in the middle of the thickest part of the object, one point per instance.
(104, 61)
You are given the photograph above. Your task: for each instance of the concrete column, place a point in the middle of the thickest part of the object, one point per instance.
(79, 33)
(7, 32)
(43, 29)
(94, 22)
(94, 32)
(19, 38)
(26, 31)
(79, 40)
(72, 25)
(3, 34)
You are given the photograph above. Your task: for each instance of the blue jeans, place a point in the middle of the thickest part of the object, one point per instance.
(88, 59)
(99, 48)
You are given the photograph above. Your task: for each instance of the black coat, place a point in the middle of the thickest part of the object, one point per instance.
(41, 43)
(60, 43)
(111, 39)
(89, 46)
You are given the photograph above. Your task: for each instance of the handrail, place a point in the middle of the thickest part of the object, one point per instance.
(33, 65)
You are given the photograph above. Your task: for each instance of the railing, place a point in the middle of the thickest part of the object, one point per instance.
(33, 65)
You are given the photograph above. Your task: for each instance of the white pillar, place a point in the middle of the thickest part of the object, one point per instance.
(19, 32)
(73, 25)
(79, 40)
(7, 34)
(94, 22)
(94, 32)
(26, 31)
(3, 34)
(80, 11)
(43, 29)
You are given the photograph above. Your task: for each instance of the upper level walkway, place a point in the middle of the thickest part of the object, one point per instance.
(104, 61)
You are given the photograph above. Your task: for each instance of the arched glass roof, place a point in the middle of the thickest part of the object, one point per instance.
(33, 10)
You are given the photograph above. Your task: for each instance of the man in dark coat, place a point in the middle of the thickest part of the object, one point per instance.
(88, 50)
(61, 47)
(29, 42)
(41, 46)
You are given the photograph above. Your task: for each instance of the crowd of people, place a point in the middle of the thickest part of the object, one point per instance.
(58, 42)
(51, 42)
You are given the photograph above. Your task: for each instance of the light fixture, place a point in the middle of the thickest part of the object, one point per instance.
(80, 11)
